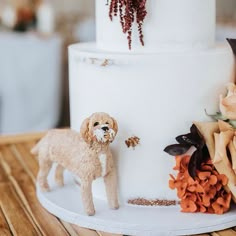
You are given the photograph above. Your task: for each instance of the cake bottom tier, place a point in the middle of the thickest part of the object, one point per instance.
(154, 97)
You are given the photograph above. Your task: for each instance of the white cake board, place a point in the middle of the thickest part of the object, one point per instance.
(66, 204)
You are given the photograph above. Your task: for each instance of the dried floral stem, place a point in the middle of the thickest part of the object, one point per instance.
(129, 10)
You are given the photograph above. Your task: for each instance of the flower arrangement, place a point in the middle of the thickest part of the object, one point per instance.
(19, 15)
(205, 193)
(206, 179)
(129, 11)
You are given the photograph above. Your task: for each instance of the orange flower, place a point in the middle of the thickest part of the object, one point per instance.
(181, 190)
(202, 208)
(174, 183)
(203, 194)
(184, 163)
(190, 196)
(194, 186)
(210, 210)
(208, 195)
(178, 161)
(188, 206)
(183, 176)
(222, 179)
(222, 204)
(207, 178)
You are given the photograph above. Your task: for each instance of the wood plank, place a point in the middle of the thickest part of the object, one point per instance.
(22, 151)
(25, 188)
(30, 144)
(29, 161)
(228, 232)
(100, 233)
(3, 175)
(4, 228)
(14, 212)
(70, 228)
(13, 139)
(84, 232)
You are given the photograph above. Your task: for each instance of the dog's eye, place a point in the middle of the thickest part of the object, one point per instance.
(96, 124)
(107, 123)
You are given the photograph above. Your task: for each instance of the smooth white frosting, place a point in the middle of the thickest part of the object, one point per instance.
(175, 24)
(153, 96)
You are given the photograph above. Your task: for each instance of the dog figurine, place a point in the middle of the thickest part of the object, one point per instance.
(85, 154)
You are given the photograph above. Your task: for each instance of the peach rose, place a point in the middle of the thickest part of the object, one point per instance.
(228, 103)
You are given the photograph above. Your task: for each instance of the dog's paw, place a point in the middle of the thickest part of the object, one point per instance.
(90, 212)
(60, 183)
(44, 187)
(115, 206)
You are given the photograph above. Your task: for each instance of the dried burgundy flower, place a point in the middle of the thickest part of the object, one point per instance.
(129, 11)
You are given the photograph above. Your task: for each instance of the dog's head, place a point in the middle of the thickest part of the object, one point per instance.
(99, 127)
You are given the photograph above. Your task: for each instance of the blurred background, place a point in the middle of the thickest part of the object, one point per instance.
(34, 36)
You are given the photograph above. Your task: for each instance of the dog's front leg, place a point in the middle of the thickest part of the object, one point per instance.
(111, 189)
(87, 197)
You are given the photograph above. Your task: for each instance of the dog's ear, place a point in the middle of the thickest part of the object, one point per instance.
(115, 125)
(84, 130)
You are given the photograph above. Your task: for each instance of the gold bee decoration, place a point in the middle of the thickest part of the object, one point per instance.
(132, 141)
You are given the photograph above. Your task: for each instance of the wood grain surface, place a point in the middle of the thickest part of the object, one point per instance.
(20, 211)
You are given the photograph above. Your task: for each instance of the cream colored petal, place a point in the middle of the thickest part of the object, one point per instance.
(233, 157)
(225, 167)
(231, 188)
(223, 109)
(232, 150)
(230, 87)
(224, 126)
(217, 157)
(229, 101)
(224, 140)
(207, 130)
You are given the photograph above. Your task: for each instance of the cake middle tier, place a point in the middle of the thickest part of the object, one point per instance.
(175, 24)
(154, 97)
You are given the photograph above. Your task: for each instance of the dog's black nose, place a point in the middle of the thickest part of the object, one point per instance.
(105, 128)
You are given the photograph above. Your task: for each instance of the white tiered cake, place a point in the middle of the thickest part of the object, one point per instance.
(155, 91)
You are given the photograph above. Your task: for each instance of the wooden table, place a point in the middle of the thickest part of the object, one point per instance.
(20, 211)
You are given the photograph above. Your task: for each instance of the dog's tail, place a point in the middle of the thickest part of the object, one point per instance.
(35, 149)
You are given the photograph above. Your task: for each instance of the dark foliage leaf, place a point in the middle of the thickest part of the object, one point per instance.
(197, 136)
(194, 138)
(177, 149)
(205, 156)
(232, 43)
(186, 141)
(189, 139)
(193, 163)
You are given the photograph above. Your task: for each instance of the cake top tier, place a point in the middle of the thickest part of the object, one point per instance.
(169, 24)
